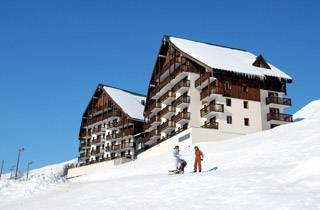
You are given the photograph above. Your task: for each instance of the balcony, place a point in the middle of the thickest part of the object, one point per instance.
(114, 136)
(96, 152)
(169, 65)
(156, 93)
(279, 117)
(118, 147)
(176, 75)
(84, 146)
(182, 117)
(147, 127)
(155, 107)
(212, 125)
(85, 136)
(99, 130)
(168, 97)
(114, 125)
(181, 102)
(155, 120)
(128, 132)
(96, 141)
(211, 110)
(167, 112)
(208, 94)
(204, 80)
(181, 86)
(168, 126)
(278, 101)
(182, 71)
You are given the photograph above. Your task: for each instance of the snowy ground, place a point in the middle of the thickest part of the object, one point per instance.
(275, 169)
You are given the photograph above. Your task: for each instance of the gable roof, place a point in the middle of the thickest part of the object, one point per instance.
(130, 102)
(226, 59)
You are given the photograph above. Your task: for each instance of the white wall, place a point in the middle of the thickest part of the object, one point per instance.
(197, 135)
(238, 114)
(83, 170)
(167, 145)
(195, 103)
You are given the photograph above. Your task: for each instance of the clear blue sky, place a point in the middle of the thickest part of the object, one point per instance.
(54, 53)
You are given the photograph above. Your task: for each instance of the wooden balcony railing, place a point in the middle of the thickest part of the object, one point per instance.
(166, 110)
(202, 78)
(146, 126)
(214, 125)
(84, 135)
(155, 105)
(211, 108)
(212, 90)
(278, 100)
(168, 64)
(279, 117)
(154, 133)
(181, 84)
(168, 124)
(98, 130)
(183, 68)
(167, 95)
(180, 100)
(113, 125)
(95, 152)
(96, 141)
(155, 118)
(174, 73)
(113, 136)
(118, 147)
(181, 115)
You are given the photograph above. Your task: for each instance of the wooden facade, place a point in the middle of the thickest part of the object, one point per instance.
(102, 114)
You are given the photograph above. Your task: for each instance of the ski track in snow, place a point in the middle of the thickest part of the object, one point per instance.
(275, 169)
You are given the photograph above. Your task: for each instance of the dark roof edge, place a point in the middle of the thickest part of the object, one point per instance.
(217, 45)
(128, 91)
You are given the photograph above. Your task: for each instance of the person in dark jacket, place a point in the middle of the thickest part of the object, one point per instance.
(182, 165)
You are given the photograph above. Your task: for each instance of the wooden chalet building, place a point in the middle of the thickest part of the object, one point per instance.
(207, 87)
(109, 123)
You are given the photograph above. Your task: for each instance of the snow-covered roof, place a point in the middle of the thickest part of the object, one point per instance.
(224, 58)
(130, 102)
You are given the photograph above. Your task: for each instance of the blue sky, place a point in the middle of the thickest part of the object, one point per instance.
(54, 53)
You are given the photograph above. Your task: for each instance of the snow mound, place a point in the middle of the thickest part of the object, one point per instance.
(306, 170)
(39, 179)
(311, 110)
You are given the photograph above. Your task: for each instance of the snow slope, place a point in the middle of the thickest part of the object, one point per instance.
(275, 169)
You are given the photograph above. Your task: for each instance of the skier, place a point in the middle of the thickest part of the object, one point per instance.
(198, 158)
(182, 165)
(176, 155)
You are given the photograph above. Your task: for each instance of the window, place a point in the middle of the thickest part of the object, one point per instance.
(245, 105)
(272, 94)
(245, 88)
(246, 121)
(228, 101)
(229, 119)
(227, 85)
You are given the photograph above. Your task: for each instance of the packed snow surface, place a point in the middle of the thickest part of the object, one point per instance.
(225, 58)
(129, 102)
(275, 169)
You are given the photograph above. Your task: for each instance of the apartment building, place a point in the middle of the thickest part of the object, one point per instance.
(109, 123)
(217, 91)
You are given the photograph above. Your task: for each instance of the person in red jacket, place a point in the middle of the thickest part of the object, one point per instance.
(198, 158)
